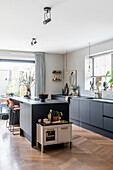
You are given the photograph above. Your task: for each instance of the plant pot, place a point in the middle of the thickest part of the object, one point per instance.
(55, 118)
(111, 87)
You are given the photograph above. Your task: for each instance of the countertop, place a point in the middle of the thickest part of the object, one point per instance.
(86, 98)
(93, 99)
(35, 102)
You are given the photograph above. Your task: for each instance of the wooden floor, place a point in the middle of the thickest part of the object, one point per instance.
(90, 152)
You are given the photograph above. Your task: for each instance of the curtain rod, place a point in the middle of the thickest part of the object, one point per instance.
(31, 52)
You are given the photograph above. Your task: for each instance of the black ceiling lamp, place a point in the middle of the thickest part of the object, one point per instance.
(47, 15)
(33, 41)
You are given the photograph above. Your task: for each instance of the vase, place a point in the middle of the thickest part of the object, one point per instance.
(111, 87)
(105, 85)
(28, 93)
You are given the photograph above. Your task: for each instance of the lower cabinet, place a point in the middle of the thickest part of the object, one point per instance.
(96, 115)
(84, 111)
(108, 124)
(74, 109)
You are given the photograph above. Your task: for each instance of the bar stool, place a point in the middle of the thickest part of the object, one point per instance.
(15, 119)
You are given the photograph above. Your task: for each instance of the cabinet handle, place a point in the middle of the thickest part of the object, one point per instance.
(64, 128)
(50, 129)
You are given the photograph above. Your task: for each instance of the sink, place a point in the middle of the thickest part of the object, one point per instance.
(90, 98)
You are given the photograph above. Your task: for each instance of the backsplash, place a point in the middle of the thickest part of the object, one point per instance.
(107, 94)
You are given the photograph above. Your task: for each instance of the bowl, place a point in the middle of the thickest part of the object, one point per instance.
(43, 97)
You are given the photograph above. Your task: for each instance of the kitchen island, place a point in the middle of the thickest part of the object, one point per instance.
(32, 110)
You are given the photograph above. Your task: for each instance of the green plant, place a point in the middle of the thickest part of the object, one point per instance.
(111, 80)
(74, 87)
(56, 113)
(7, 93)
(108, 72)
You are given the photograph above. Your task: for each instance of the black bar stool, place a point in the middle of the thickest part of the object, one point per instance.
(15, 120)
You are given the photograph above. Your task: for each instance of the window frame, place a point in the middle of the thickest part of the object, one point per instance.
(93, 76)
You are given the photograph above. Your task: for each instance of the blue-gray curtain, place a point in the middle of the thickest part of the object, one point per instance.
(40, 72)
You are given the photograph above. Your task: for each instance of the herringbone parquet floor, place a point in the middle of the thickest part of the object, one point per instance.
(90, 151)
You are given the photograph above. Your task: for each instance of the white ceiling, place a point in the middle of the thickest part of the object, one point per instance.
(74, 24)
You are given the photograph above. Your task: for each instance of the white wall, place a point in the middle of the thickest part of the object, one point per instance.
(53, 62)
(76, 61)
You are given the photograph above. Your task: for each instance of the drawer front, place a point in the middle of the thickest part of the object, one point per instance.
(108, 124)
(50, 136)
(64, 134)
(108, 109)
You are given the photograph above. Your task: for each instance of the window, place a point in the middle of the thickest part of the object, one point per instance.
(10, 72)
(100, 65)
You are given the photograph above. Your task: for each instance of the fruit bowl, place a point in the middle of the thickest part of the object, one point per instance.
(43, 97)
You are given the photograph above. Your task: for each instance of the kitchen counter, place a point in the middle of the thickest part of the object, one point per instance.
(61, 97)
(93, 99)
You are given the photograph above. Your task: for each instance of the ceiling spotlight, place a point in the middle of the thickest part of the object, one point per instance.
(34, 41)
(47, 15)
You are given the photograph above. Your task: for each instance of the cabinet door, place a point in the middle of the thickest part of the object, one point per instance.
(73, 109)
(50, 136)
(96, 116)
(108, 110)
(64, 134)
(108, 124)
(84, 111)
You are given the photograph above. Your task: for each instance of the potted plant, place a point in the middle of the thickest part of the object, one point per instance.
(74, 88)
(111, 80)
(105, 84)
(7, 94)
(56, 115)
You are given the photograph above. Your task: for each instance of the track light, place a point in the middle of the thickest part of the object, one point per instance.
(34, 41)
(47, 15)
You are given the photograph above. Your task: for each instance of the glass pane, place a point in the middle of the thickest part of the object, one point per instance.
(10, 72)
(102, 64)
(50, 135)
